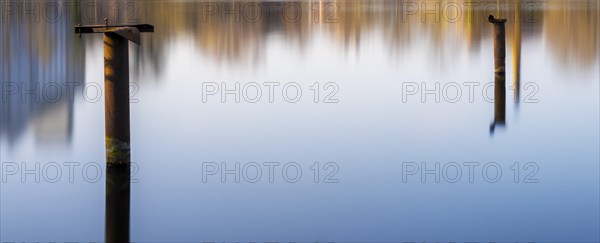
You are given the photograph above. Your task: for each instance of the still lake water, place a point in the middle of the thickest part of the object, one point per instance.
(373, 137)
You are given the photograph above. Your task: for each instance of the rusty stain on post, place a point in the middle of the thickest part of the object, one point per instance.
(499, 73)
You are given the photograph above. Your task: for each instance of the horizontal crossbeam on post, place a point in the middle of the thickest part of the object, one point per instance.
(89, 29)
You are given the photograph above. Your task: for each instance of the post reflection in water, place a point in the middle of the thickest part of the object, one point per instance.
(499, 102)
(117, 203)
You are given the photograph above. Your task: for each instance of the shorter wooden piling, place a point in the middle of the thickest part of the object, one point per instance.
(499, 44)
(499, 72)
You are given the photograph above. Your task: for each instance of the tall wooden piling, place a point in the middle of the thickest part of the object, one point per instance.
(116, 103)
(116, 85)
(499, 72)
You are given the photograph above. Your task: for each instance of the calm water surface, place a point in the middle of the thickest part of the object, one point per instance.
(371, 54)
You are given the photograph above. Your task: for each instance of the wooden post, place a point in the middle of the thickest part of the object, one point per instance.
(499, 44)
(499, 73)
(116, 85)
(116, 103)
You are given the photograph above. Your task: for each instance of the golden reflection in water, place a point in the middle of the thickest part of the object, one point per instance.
(516, 56)
(50, 52)
(570, 29)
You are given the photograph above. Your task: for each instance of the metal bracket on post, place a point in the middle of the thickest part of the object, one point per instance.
(129, 32)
